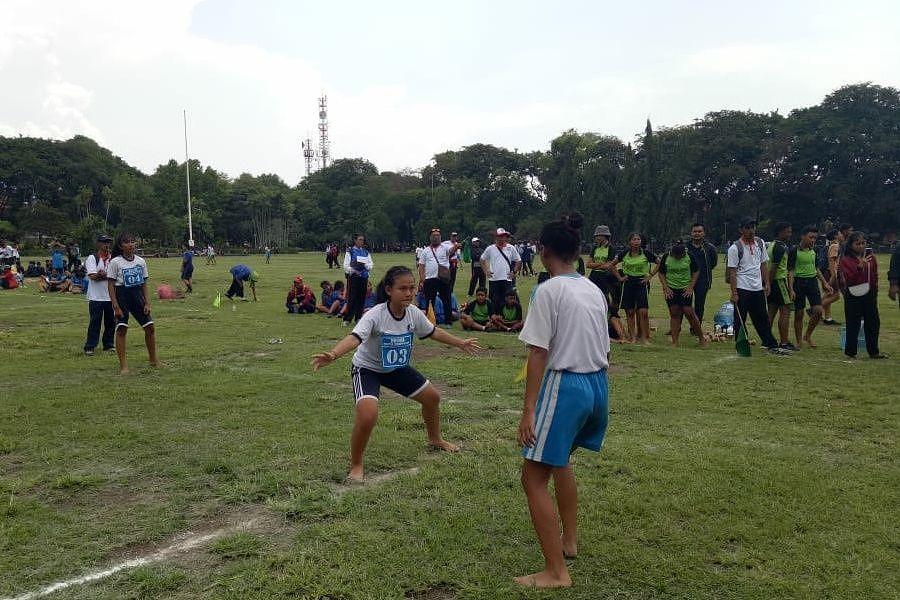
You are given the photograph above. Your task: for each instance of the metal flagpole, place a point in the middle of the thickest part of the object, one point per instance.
(187, 176)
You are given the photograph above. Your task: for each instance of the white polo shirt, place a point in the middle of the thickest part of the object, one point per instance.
(500, 268)
(431, 257)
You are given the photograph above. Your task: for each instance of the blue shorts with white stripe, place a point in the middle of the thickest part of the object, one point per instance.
(572, 410)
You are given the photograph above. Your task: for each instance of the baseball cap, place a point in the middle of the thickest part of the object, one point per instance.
(747, 221)
(475, 239)
(500, 231)
(104, 238)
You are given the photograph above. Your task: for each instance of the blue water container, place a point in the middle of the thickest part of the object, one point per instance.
(860, 339)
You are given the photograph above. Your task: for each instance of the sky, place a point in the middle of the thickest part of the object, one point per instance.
(406, 80)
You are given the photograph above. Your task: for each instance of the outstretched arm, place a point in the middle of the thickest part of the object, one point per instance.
(468, 345)
(341, 348)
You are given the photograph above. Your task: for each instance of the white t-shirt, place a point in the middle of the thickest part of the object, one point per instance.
(97, 291)
(128, 273)
(385, 341)
(6, 252)
(567, 317)
(431, 261)
(748, 272)
(500, 269)
(447, 245)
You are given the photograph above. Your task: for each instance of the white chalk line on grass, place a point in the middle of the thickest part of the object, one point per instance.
(192, 542)
(184, 545)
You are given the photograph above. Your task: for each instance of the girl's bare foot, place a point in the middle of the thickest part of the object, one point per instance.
(124, 371)
(570, 549)
(356, 475)
(443, 445)
(157, 365)
(810, 343)
(544, 580)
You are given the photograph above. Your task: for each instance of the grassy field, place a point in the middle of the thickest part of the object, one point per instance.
(721, 477)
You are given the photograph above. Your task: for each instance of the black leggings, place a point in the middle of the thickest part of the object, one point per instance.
(865, 309)
(478, 280)
(433, 288)
(356, 297)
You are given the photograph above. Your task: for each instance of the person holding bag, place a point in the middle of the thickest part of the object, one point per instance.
(859, 276)
(434, 272)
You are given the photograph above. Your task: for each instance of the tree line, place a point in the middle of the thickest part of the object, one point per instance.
(836, 161)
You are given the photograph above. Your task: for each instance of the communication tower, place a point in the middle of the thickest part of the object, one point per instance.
(309, 154)
(324, 152)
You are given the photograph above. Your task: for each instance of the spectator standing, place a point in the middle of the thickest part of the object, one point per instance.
(749, 279)
(453, 247)
(781, 283)
(894, 274)
(500, 262)
(478, 279)
(187, 268)
(434, 272)
(357, 266)
(707, 257)
(859, 274)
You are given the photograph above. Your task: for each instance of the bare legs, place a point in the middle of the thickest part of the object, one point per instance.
(367, 415)
(535, 479)
(149, 340)
(810, 327)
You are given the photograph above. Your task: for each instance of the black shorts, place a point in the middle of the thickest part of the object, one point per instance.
(131, 301)
(406, 381)
(806, 288)
(187, 273)
(778, 295)
(678, 299)
(634, 294)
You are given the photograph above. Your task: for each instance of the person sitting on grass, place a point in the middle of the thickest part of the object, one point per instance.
(56, 281)
(240, 274)
(566, 402)
(383, 339)
(369, 300)
(127, 280)
(477, 313)
(329, 304)
(300, 299)
(78, 282)
(509, 317)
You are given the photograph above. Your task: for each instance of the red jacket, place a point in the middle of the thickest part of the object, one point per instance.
(855, 272)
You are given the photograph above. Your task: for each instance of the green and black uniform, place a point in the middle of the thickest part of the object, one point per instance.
(778, 260)
(635, 268)
(480, 313)
(802, 261)
(577, 264)
(607, 281)
(678, 272)
(511, 314)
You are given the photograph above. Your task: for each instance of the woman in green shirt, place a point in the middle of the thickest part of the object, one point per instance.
(639, 266)
(678, 273)
(601, 275)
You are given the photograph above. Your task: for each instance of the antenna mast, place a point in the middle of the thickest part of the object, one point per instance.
(309, 155)
(324, 153)
(187, 176)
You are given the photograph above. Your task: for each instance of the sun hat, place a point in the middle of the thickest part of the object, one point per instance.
(602, 230)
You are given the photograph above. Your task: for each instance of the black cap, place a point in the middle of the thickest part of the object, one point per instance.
(747, 221)
(105, 239)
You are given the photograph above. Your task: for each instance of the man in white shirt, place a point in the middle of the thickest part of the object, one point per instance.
(500, 262)
(748, 275)
(434, 272)
(454, 256)
(100, 308)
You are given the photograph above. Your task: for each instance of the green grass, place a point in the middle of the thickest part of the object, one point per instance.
(720, 477)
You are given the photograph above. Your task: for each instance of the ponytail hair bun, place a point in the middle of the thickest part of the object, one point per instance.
(574, 220)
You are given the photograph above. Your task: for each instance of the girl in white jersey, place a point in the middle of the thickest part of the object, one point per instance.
(383, 339)
(566, 395)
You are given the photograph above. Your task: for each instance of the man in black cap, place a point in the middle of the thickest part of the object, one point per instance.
(749, 278)
(99, 305)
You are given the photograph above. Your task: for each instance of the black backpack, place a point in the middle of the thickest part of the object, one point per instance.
(740, 252)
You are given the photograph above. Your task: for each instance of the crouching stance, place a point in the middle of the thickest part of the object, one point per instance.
(383, 339)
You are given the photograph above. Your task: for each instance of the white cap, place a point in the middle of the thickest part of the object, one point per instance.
(501, 231)
(475, 239)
